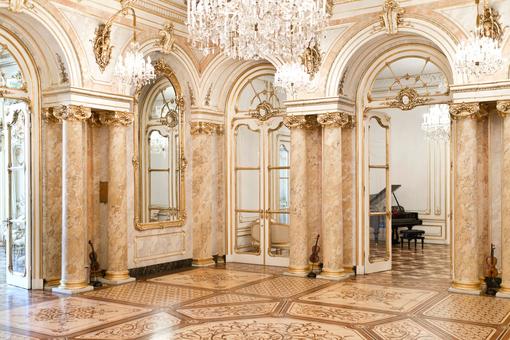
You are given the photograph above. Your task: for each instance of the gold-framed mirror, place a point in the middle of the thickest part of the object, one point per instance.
(159, 155)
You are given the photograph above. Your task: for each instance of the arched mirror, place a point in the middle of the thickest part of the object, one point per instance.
(160, 175)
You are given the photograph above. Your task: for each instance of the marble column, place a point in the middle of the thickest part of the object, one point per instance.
(483, 191)
(117, 269)
(203, 187)
(298, 234)
(348, 191)
(74, 272)
(332, 212)
(220, 193)
(465, 231)
(503, 108)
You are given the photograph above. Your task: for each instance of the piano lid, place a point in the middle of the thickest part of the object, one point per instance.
(376, 198)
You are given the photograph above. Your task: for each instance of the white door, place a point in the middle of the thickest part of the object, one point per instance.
(260, 192)
(16, 190)
(377, 216)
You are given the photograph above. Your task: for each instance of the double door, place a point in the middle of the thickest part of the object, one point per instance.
(15, 203)
(260, 192)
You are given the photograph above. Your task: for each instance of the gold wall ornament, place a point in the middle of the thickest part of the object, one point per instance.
(102, 40)
(467, 110)
(407, 99)
(166, 38)
(311, 58)
(18, 6)
(300, 121)
(391, 17)
(336, 119)
(48, 116)
(72, 112)
(191, 95)
(503, 108)
(117, 118)
(264, 111)
(207, 128)
(207, 100)
(489, 23)
(64, 78)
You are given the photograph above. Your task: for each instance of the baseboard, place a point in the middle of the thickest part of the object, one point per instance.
(158, 269)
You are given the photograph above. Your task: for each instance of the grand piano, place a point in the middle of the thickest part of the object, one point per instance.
(399, 217)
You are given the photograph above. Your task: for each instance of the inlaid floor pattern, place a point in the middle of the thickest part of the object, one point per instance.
(238, 301)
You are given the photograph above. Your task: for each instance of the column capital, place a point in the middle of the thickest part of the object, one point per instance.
(71, 112)
(116, 118)
(206, 128)
(467, 110)
(336, 119)
(300, 122)
(47, 115)
(503, 107)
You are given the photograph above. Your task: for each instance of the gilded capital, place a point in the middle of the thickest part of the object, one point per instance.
(206, 128)
(336, 119)
(503, 108)
(116, 118)
(48, 116)
(300, 122)
(72, 112)
(467, 110)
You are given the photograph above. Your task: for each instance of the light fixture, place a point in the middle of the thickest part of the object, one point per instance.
(436, 123)
(133, 69)
(255, 29)
(292, 77)
(481, 54)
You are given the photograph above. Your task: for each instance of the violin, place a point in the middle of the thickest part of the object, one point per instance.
(490, 262)
(94, 264)
(314, 258)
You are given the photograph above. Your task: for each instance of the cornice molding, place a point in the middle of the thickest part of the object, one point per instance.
(336, 119)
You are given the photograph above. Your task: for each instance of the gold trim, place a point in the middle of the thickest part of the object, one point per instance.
(113, 118)
(503, 108)
(311, 58)
(71, 112)
(489, 24)
(117, 275)
(72, 285)
(407, 99)
(300, 122)
(336, 119)
(206, 128)
(466, 285)
(467, 110)
(267, 108)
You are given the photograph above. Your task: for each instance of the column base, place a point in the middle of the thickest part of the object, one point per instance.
(71, 291)
(115, 282)
(333, 275)
(220, 259)
(503, 293)
(297, 271)
(203, 262)
(465, 288)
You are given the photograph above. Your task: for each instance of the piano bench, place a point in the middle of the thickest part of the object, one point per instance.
(411, 235)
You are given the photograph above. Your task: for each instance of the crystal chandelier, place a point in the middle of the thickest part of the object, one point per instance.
(436, 123)
(293, 78)
(133, 69)
(481, 54)
(254, 29)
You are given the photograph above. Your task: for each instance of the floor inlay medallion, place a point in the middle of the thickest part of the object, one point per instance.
(283, 286)
(404, 330)
(211, 278)
(135, 328)
(227, 298)
(471, 308)
(68, 315)
(371, 296)
(216, 312)
(149, 294)
(266, 328)
(336, 314)
(463, 331)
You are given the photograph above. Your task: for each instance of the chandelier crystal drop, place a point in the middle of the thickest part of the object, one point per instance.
(255, 29)
(293, 78)
(133, 69)
(436, 123)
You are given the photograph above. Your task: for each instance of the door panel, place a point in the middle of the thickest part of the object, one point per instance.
(377, 193)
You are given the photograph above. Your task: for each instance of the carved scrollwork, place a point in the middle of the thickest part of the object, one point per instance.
(503, 108)
(407, 99)
(166, 38)
(118, 118)
(490, 25)
(467, 110)
(301, 122)
(264, 111)
(336, 119)
(311, 58)
(72, 112)
(207, 128)
(392, 16)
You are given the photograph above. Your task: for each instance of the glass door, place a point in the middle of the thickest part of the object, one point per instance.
(16, 190)
(377, 193)
(261, 169)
